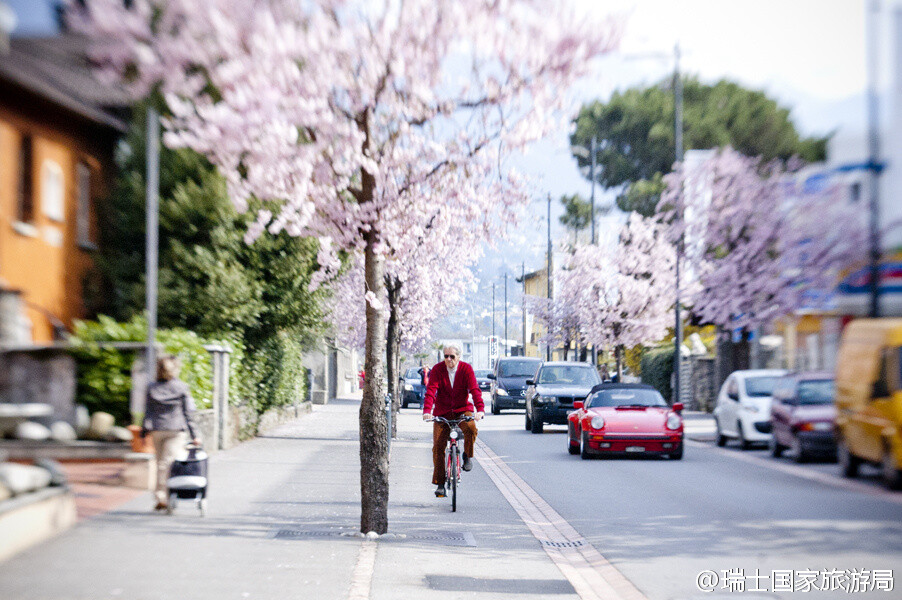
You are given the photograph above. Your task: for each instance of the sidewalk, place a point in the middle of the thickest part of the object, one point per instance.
(699, 426)
(283, 511)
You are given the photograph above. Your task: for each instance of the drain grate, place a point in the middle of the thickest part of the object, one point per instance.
(448, 538)
(293, 534)
(576, 544)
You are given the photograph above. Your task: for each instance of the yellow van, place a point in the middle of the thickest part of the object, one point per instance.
(869, 398)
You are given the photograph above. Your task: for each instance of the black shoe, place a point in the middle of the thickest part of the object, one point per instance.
(440, 491)
(467, 466)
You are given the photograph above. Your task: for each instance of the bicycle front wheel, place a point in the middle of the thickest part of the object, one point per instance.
(453, 474)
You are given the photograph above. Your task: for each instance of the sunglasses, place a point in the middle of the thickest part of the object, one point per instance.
(450, 356)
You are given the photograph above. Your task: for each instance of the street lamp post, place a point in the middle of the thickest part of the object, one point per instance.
(678, 152)
(678, 155)
(152, 240)
(548, 273)
(505, 313)
(523, 302)
(873, 160)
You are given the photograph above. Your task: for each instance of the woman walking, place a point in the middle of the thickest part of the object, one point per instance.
(168, 415)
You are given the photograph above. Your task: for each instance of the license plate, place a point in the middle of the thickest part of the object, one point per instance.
(635, 448)
(521, 401)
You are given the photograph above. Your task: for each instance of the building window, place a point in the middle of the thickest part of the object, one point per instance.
(52, 191)
(25, 190)
(83, 206)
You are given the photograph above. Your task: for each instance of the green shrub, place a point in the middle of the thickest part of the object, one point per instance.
(657, 368)
(267, 375)
(274, 371)
(104, 373)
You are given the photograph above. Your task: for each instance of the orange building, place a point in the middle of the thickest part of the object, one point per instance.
(58, 131)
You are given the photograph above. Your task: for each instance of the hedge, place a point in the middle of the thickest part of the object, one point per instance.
(267, 375)
(657, 369)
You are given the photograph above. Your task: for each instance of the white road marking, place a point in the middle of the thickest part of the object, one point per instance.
(362, 578)
(805, 473)
(592, 576)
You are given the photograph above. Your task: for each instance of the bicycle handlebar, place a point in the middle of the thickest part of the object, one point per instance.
(452, 421)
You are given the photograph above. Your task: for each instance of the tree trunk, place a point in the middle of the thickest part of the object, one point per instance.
(618, 354)
(373, 426)
(393, 354)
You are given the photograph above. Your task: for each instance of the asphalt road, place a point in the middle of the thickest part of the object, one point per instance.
(663, 522)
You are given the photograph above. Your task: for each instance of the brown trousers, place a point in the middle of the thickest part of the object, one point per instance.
(168, 446)
(441, 433)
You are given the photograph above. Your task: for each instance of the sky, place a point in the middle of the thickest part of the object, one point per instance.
(810, 55)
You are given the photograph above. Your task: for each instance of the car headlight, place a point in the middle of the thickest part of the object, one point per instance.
(597, 422)
(501, 391)
(408, 387)
(673, 421)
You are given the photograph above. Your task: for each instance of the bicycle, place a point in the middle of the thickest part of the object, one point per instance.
(452, 463)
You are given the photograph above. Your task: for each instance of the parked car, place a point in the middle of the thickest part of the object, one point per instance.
(510, 377)
(869, 398)
(550, 396)
(412, 388)
(483, 379)
(625, 419)
(803, 416)
(742, 410)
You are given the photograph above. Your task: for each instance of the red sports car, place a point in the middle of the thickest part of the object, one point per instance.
(625, 419)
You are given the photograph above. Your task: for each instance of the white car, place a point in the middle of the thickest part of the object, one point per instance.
(742, 411)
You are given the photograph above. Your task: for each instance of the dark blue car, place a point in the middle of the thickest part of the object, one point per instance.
(510, 378)
(412, 389)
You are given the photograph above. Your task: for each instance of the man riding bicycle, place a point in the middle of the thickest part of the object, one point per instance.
(451, 383)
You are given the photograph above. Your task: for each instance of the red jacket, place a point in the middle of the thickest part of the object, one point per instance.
(449, 400)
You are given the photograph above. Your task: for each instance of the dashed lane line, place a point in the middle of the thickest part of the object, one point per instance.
(590, 573)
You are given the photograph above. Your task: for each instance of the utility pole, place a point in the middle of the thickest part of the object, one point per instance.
(493, 309)
(548, 272)
(505, 313)
(151, 239)
(678, 143)
(592, 147)
(874, 166)
(523, 302)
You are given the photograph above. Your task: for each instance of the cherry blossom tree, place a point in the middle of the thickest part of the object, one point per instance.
(621, 291)
(335, 110)
(755, 241)
(557, 315)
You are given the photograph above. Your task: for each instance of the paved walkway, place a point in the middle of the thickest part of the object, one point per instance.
(283, 514)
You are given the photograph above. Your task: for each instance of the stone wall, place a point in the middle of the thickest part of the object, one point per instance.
(243, 423)
(40, 374)
(704, 391)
